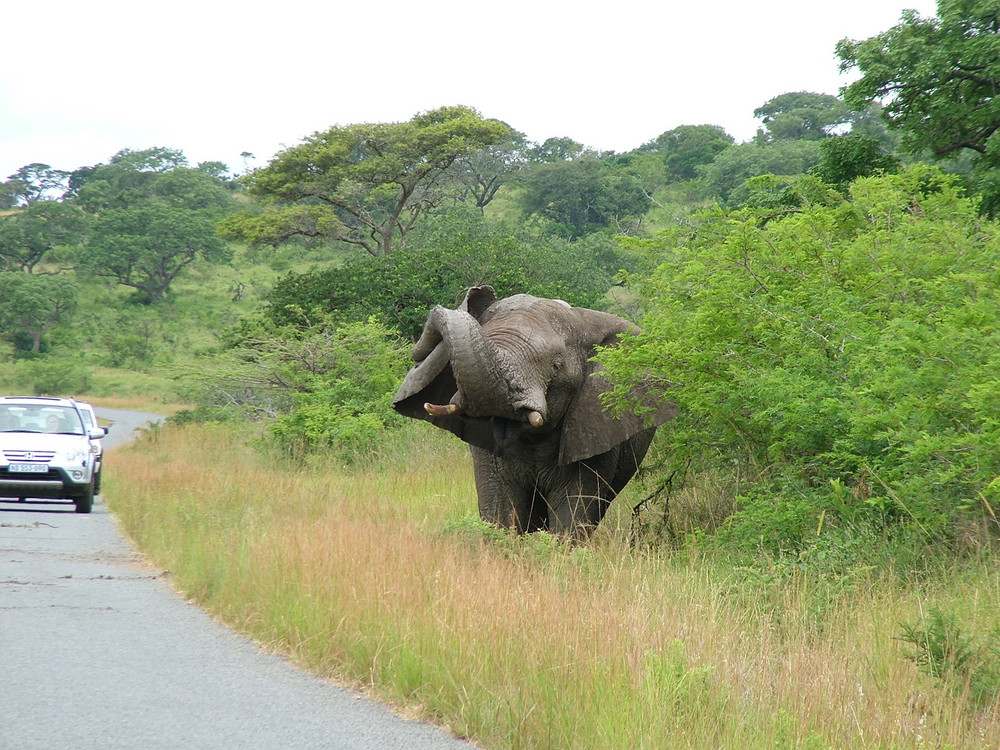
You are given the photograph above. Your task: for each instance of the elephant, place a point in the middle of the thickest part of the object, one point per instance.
(516, 380)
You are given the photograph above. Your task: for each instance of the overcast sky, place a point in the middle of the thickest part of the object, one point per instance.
(215, 78)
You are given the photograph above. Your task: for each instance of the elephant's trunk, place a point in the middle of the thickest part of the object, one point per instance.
(483, 386)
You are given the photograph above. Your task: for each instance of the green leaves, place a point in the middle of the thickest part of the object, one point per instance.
(29, 237)
(341, 380)
(937, 78)
(582, 195)
(145, 247)
(30, 305)
(850, 341)
(374, 180)
(451, 251)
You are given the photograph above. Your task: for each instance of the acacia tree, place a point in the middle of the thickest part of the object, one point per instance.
(132, 177)
(556, 150)
(365, 185)
(32, 183)
(483, 172)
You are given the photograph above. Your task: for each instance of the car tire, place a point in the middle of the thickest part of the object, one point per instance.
(85, 503)
(97, 483)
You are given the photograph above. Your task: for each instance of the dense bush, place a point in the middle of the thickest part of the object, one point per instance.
(345, 384)
(325, 386)
(838, 361)
(451, 253)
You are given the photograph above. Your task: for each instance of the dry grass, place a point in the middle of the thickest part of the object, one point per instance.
(377, 577)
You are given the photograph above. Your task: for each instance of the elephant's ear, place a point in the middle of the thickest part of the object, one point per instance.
(588, 428)
(477, 300)
(430, 380)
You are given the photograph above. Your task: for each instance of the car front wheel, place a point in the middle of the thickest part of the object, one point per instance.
(85, 503)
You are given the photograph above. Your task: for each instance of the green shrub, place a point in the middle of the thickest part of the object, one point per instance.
(126, 338)
(344, 379)
(838, 359)
(53, 375)
(319, 387)
(964, 663)
(346, 429)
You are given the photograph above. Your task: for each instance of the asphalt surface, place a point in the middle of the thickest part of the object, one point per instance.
(98, 652)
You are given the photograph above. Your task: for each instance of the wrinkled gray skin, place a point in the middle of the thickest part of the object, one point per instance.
(512, 379)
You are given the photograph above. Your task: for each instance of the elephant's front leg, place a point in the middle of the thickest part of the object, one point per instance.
(580, 505)
(506, 492)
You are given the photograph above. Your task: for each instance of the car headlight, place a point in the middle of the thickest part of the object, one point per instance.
(74, 455)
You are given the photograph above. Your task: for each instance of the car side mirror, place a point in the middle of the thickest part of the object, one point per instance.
(96, 433)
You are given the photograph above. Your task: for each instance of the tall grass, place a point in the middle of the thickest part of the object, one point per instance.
(382, 577)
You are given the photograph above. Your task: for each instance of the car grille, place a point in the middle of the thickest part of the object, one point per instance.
(7, 476)
(13, 456)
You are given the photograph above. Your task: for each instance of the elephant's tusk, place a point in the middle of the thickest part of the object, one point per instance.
(437, 410)
(535, 419)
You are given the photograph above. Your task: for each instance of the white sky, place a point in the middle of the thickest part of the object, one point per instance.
(83, 79)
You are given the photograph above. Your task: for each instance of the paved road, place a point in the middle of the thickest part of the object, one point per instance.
(97, 652)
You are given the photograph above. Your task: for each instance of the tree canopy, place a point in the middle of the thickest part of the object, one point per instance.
(802, 115)
(146, 247)
(582, 195)
(28, 237)
(132, 177)
(31, 305)
(726, 176)
(452, 251)
(484, 172)
(31, 183)
(689, 146)
(937, 78)
(365, 185)
(847, 157)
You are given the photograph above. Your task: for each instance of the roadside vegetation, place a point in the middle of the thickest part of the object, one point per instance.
(809, 555)
(380, 575)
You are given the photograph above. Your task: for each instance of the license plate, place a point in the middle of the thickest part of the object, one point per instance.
(28, 468)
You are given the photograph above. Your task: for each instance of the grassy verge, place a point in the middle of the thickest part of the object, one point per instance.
(380, 576)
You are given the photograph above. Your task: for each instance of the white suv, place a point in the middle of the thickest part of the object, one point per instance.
(47, 451)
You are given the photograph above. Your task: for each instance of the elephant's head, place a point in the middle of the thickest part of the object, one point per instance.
(493, 371)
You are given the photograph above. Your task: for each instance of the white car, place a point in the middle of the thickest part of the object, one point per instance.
(90, 420)
(47, 451)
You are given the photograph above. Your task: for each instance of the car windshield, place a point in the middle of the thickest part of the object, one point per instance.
(32, 418)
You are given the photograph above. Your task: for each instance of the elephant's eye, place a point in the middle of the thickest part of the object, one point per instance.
(557, 365)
